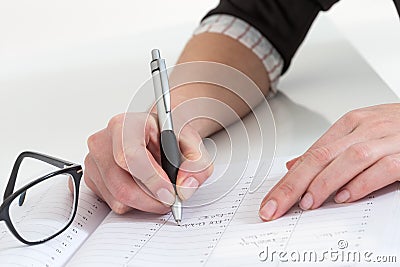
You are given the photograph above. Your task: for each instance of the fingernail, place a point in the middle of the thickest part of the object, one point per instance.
(165, 196)
(188, 187)
(342, 196)
(268, 210)
(306, 201)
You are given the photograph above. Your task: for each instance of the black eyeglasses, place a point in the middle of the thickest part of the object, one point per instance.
(45, 207)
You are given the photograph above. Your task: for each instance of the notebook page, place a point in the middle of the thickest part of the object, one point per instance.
(56, 252)
(352, 228)
(229, 231)
(143, 239)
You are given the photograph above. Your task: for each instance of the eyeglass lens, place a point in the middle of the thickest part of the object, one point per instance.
(44, 209)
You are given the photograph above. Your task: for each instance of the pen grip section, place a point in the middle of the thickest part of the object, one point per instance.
(170, 154)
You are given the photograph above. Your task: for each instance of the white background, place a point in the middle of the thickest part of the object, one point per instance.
(30, 28)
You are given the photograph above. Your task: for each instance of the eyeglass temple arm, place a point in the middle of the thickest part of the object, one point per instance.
(28, 154)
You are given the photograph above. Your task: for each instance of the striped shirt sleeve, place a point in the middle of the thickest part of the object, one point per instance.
(251, 38)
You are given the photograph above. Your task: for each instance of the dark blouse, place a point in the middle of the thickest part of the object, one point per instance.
(284, 23)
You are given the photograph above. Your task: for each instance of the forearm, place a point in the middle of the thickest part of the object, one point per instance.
(213, 47)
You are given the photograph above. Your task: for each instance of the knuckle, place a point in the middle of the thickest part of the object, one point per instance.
(287, 189)
(116, 121)
(90, 183)
(87, 162)
(362, 187)
(353, 117)
(360, 152)
(391, 164)
(92, 142)
(118, 207)
(321, 155)
(383, 123)
(323, 186)
(124, 195)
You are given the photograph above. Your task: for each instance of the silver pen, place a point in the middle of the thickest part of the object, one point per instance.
(170, 154)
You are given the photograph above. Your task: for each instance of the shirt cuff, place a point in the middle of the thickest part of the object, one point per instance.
(251, 38)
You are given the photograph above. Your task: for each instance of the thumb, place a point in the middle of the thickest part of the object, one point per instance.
(196, 166)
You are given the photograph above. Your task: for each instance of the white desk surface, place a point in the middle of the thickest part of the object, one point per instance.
(73, 91)
(373, 28)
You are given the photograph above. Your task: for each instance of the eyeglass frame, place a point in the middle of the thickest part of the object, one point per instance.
(74, 170)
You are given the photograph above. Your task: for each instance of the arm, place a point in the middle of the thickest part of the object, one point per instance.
(232, 53)
(348, 161)
(361, 142)
(117, 170)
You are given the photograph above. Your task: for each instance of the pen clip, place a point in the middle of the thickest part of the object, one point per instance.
(164, 85)
(158, 64)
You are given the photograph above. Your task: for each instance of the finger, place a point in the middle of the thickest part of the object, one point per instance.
(94, 181)
(92, 176)
(132, 154)
(319, 147)
(115, 127)
(342, 127)
(149, 136)
(386, 171)
(349, 124)
(124, 189)
(197, 165)
(92, 186)
(120, 183)
(346, 125)
(293, 185)
(348, 165)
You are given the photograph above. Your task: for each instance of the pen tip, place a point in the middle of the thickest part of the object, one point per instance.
(178, 222)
